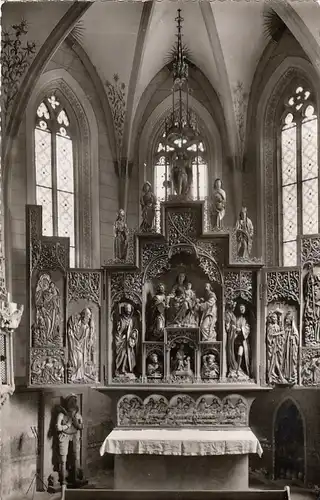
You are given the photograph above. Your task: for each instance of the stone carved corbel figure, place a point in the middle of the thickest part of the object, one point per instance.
(69, 424)
(244, 234)
(121, 234)
(148, 203)
(126, 341)
(219, 205)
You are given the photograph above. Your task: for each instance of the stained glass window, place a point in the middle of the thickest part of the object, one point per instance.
(163, 186)
(54, 164)
(299, 172)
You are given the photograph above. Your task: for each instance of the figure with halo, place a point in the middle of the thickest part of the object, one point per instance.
(219, 204)
(148, 207)
(121, 233)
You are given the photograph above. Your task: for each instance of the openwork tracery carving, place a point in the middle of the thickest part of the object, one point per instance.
(84, 286)
(283, 285)
(238, 285)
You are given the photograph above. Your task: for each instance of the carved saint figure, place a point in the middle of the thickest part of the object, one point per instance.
(311, 314)
(230, 326)
(181, 173)
(182, 303)
(120, 236)
(68, 426)
(291, 346)
(46, 329)
(210, 367)
(148, 207)
(154, 368)
(275, 338)
(81, 347)
(158, 307)
(240, 345)
(126, 340)
(208, 320)
(219, 204)
(181, 363)
(244, 234)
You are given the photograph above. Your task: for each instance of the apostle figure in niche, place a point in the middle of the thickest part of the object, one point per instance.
(291, 345)
(46, 329)
(240, 345)
(120, 236)
(219, 204)
(126, 340)
(182, 303)
(311, 315)
(148, 207)
(154, 368)
(182, 173)
(158, 308)
(244, 234)
(210, 367)
(230, 326)
(208, 319)
(68, 426)
(275, 338)
(81, 347)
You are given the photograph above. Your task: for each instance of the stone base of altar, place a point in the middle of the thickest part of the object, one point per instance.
(155, 472)
(181, 459)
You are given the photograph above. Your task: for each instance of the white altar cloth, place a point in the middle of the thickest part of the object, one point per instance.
(183, 442)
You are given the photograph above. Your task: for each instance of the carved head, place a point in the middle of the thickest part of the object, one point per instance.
(121, 214)
(242, 308)
(160, 288)
(189, 285)
(181, 278)
(146, 187)
(217, 184)
(85, 315)
(127, 308)
(71, 403)
(231, 305)
(288, 319)
(211, 359)
(154, 357)
(207, 287)
(243, 213)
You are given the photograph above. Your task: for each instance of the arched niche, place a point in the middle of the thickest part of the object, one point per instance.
(289, 460)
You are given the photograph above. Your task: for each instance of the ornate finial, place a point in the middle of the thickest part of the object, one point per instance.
(180, 67)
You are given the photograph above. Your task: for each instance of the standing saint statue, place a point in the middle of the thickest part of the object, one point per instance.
(126, 340)
(148, 207)
(311, 313)
(230, 326)
(208, 319)
(219, 205)
(158, 307)
(121, 233)
(244, 234)
(291, 346)
(240, 345)
(81, 347)
(46, 328)
(69, 424)
(182, 173)
(275, 340)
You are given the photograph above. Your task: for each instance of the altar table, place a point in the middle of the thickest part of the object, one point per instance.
(208, 459)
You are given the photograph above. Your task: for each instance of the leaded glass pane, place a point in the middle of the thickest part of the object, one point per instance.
(44, 198)
(289, 211)
(72, 257)
(195, 181)
(309, 136)
(288, 155)
(203, 181)
(65, 179)
(290, 253)
(66, 215)
(160, 184)
(3, 359)
(310, 202)
(43, 157)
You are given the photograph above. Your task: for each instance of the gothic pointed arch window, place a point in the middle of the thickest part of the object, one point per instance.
(299, 170)
(54, 160)
(162, 175)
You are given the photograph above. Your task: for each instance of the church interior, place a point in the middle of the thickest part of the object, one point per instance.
(160, 249)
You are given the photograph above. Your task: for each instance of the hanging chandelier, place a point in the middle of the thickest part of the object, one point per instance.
(180, 126)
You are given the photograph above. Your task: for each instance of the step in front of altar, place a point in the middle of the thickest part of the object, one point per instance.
(103, 494)
(181, 459)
